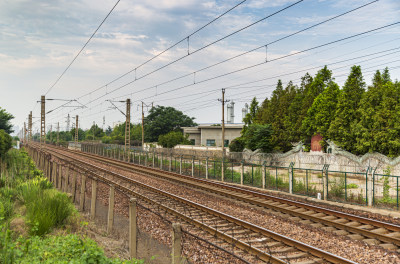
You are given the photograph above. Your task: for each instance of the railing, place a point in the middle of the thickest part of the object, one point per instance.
(361, 188)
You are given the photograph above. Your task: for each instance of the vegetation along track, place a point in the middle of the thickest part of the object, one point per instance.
(374, 232)
(254, 243)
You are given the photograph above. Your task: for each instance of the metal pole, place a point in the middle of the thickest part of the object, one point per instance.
(128, 127)
(76, 130)
(42, 120)
(142, 128)
(58, 132)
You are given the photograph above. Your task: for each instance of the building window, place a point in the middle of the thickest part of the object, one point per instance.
(193, 142)
(226, 143)
(210, 142)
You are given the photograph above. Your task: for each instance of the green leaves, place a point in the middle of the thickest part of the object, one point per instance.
(172, 139)
(5, 121)
(163, 120)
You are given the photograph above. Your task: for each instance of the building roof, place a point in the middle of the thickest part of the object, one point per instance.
(212, 126)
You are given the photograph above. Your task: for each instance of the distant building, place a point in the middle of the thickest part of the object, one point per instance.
(211, 135)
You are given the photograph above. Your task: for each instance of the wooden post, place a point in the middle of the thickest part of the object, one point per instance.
(176, 243)
(154, 159)
(133, 228)
(110, 218)
(54, 174)
(82, 193)
(93, 200)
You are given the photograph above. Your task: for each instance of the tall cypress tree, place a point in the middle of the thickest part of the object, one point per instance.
(342, 130)
(322, 112)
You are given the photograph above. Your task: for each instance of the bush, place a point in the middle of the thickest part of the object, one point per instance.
(172, 139)
(5, 143)
(237, 145)
(64, 249)
(50, 209)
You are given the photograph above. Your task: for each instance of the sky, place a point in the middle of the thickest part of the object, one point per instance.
(39, 39)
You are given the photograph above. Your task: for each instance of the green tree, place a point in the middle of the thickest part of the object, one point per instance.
(162, 120)
(5, 119)
(94, 132)
(5, 143)
(251, 115)
(379, 126)
(237, 145)
(259, 137)
(81, 134)
(322, 111)
(172, 139)
(347, 114)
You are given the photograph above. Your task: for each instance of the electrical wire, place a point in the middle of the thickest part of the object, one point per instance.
(84, 46)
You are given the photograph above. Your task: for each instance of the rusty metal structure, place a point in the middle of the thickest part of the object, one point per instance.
(43, 120)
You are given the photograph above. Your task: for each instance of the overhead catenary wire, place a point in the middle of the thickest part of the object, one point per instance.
(84, 46)
(213, 65)
(392, 51)
(199, 49)
(167, 49)
(241, 54)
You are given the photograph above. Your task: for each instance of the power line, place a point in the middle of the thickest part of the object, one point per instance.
(239, 55)
(199, 49)
(87, 42)
(167, 49)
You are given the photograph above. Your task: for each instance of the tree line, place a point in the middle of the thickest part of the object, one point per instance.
(357, 117)
(162, 125)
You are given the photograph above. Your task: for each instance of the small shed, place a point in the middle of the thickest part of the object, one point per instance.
(315, 143)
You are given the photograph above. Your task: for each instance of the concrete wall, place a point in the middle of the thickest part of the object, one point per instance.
(216, 133)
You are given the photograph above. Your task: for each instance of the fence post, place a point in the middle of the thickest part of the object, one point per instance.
(176, 243)
(66, 181)
(370, 174)
(82, 193)
(110, 218)
(132, 228)
(291, 177)
(170, 162)
(73, 186)
(93, 200)
(154, 158)
(161, 163)
(180, 166)
(241, 172)
(59, 184)
(263, 174)
(207, 168)
(192, 166)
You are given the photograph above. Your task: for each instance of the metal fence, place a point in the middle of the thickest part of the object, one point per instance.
(361, 188)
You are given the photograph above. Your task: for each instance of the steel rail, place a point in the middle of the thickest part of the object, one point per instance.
(299, 245)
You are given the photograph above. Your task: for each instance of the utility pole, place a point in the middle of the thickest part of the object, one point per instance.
(51, 133)
(68, 123)
(94, 126)
(142, 127)
(30, 126)
(76, 130)
(223, 101)
(42, 120)
(128, 127)
(58, 132)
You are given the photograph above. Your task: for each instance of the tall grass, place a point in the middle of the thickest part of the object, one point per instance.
(45, 208)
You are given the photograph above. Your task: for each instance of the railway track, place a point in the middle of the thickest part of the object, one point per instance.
(254, 243)
(373, 232)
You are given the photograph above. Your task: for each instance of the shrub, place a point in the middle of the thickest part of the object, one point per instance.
(237, 145)
(49, 209)
(6, 208)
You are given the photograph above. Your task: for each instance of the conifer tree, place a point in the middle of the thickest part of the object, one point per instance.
(347, 116)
